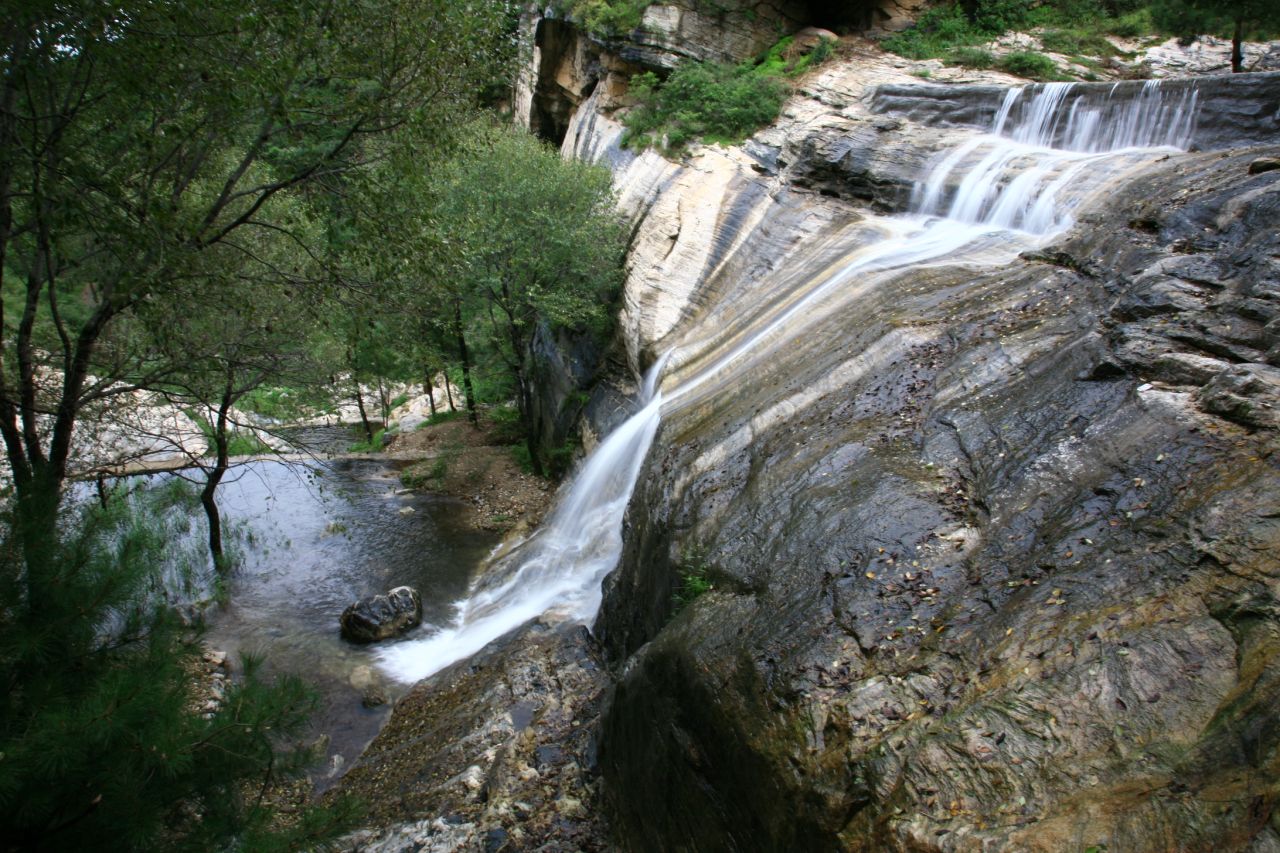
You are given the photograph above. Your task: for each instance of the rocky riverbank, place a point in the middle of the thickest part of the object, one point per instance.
(475, 464)
(495, 753)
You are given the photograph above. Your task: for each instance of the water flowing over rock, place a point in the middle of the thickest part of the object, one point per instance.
(987, 495)
(963, 402)
(380, 617)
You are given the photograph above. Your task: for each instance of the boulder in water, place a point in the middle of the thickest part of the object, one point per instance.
(380, 617)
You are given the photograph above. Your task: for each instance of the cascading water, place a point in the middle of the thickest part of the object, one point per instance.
(1000, 193)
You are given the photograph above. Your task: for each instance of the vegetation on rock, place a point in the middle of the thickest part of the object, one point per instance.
(715, 102)
(956, 31)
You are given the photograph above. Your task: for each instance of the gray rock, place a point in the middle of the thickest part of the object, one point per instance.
(1234, 110)
(380, 617)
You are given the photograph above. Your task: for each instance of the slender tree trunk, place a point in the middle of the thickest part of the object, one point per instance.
(430, 391)
(208, 500)
(448, 393)
(467, 390)
(530, 428)
(1237, 47)
(213, 477)
(384, 402)
(364, 415)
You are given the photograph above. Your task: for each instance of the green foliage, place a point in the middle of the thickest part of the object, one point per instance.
(971, 57)
(605, 18)
(1028, 63)
(694, 577)
(373, 445)
(1131, 25)
(239, 442)
(285, 404)
(559, 459)
(535, 242)
(716, 102)
(1077, 42)
(440, 417)
(710, 101)
(1072, 27)
(507, 426)
(100, 742)
(1256, 18)
(936, 32)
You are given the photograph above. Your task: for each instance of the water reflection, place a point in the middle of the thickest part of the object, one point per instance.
(313, 537)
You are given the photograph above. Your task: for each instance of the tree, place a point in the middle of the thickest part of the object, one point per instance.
(140, 140)
(1193, 17)
(534, 239)
(104, 745)
(248, 333)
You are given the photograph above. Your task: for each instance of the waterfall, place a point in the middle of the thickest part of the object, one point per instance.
(1015, 187)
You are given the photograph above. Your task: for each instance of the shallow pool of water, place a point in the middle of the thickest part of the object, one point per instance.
(312, 539)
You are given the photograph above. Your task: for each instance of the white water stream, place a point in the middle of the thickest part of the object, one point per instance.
(1050, 149)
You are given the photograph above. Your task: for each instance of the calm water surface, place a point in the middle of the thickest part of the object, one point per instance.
(314, 538)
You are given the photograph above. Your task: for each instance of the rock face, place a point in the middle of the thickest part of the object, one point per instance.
(994, 550)
(380, 617)
(996, 563)
(1233, 111)
(497, 753)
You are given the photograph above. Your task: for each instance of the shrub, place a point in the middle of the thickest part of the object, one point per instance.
(246, 443)
(441, 416)
(1073, 26)
(1132, 24)
(373, 445)
(718, 103)
(605, 18)
(938, 30)
(694, 578)
(100, 739)
(971, 57)
(1029, 64)
(1073, 42)
(507, 427)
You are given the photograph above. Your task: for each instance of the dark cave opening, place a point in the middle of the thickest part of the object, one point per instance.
(841, 16)
(552, 106)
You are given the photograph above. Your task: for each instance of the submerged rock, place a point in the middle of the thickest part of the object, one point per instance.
(380, 617)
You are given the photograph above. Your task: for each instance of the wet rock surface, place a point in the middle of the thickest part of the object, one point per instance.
(381, 617)
(1233, 110)
(994, 556)
(493, 754)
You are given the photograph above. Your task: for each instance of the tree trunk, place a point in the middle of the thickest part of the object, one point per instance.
(1237, 47)
(430, 391)
(209, 501)
(448, 392)
(383, 401)
(213, 476)
(37, 521)
(364, 415)
(530, 426)
(467, 390)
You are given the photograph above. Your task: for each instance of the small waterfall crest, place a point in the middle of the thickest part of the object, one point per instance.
(984, 202)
